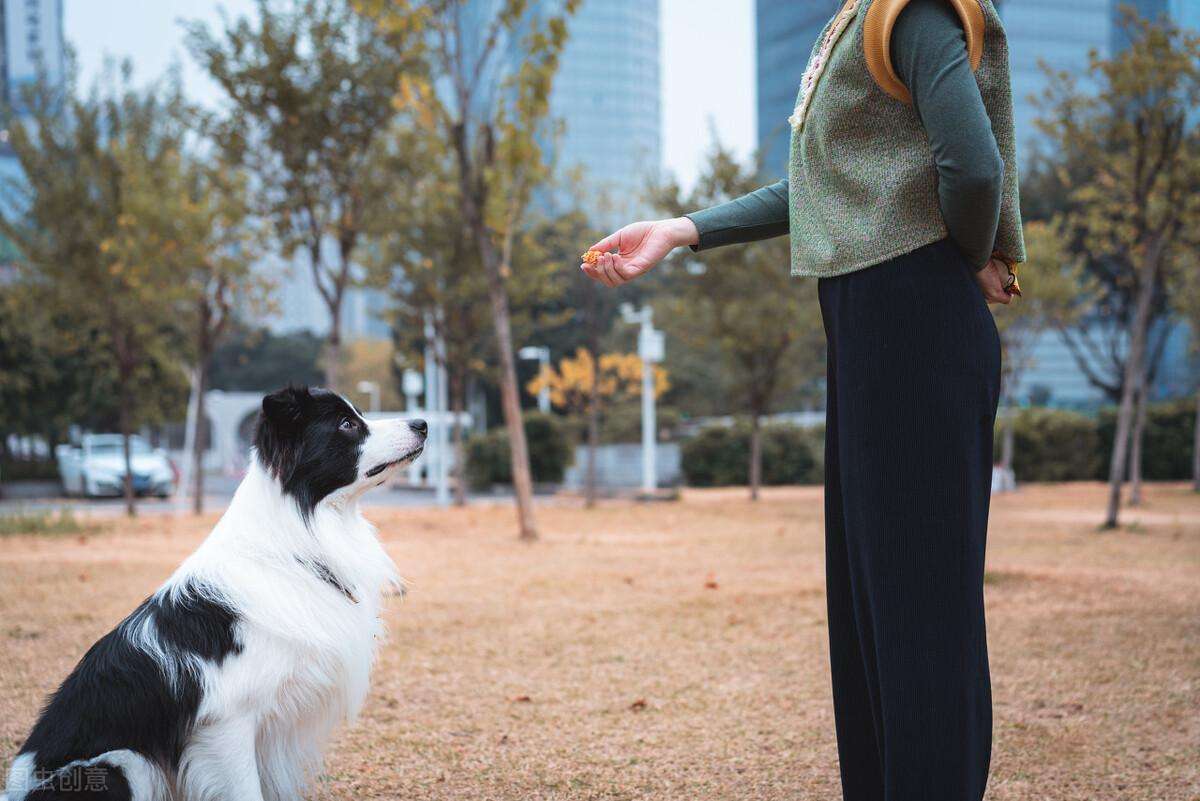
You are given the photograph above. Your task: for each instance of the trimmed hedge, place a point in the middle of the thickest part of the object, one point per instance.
(489, 461)
(719, 456)
(1167, 442)
(1056, 445)
(1053, 445)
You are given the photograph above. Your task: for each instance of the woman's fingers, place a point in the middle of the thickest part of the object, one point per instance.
(991, 283)
(591, 272)
(608, 264)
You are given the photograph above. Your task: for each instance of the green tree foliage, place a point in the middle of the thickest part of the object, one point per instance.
(255, 360)
(743, 302)
(488, 460)
(311, 87)
(718, 456)
(195, 208)
(1129, 166)
(52, 374)
(489, 112)
(85, 255)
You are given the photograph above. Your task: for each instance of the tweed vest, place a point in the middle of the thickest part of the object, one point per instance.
(862, 180)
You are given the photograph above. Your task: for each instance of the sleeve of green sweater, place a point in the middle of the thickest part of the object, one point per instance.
(929, 52)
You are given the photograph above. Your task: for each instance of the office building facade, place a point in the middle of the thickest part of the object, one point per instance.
(785, 33)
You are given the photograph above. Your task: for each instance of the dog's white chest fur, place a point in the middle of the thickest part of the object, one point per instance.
(308, 598)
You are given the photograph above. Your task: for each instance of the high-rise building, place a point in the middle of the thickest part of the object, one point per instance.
(1060, 34)
(786, 31)
(607, 97)
(1186, 13)
(31, 45)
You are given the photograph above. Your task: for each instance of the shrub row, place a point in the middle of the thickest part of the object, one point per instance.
(489, 460)
(1049, 445)
(1055, 445)
(719, 456)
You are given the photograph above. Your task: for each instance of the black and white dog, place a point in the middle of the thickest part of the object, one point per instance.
(228, 682)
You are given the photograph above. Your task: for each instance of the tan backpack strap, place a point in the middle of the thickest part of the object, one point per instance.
(877, 40)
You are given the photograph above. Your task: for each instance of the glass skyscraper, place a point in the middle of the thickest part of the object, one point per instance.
(31, 45)
(785, 35)
(607, 96)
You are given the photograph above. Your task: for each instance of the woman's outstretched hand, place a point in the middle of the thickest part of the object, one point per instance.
(639, 246)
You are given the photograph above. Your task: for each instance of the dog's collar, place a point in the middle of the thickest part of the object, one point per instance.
(322, 571)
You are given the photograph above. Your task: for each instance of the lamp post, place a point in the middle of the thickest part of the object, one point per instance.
(542, 354)
(413, 384)
(371, 390)
(651, 350)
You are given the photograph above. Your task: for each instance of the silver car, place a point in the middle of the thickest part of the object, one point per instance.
(96, 467)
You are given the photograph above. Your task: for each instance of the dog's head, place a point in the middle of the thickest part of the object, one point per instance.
(317, 445)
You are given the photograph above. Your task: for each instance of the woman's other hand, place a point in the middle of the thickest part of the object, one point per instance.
(992, 280)
(639, 246)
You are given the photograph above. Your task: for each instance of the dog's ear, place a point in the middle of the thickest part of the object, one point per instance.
(276, 437)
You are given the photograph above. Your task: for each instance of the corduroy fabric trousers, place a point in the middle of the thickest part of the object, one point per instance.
(914, 379)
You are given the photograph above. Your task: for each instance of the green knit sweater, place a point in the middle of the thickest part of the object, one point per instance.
(929, 54)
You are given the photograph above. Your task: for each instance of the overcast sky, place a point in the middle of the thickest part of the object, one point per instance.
(707, 60)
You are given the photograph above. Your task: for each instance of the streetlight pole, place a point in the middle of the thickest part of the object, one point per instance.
(413, 385)
(650, 350)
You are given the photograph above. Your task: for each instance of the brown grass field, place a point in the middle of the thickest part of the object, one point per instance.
(678, 650)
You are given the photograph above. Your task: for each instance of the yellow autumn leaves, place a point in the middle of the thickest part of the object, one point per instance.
(617, 375)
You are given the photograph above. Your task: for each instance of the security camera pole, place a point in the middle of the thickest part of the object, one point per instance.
(651, 351)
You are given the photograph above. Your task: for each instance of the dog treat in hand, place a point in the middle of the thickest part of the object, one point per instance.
(591, 257)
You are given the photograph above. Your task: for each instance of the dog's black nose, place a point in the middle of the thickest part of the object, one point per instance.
(420, 426)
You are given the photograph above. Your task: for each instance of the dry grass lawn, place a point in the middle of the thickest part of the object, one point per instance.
(678, 651)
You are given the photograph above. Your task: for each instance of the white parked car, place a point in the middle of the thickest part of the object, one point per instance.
(97, 467)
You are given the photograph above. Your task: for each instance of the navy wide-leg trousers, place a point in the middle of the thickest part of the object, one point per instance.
(914, 375)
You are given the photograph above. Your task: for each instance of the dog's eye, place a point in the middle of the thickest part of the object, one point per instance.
(347, 424)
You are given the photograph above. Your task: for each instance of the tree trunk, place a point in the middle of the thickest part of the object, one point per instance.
(593, 441)
(126, 433)
(1135, 447)
(473, 201)
(333, 349)
(458, 402)
(510, 402)
(1008, 442)
(755, 454)
(1134, 376)
(510, 399)
(1196, 447)
(198, 436)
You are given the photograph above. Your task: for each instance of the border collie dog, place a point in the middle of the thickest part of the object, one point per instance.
(228, 682)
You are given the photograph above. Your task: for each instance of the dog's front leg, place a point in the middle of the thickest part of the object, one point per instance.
(219, 762)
